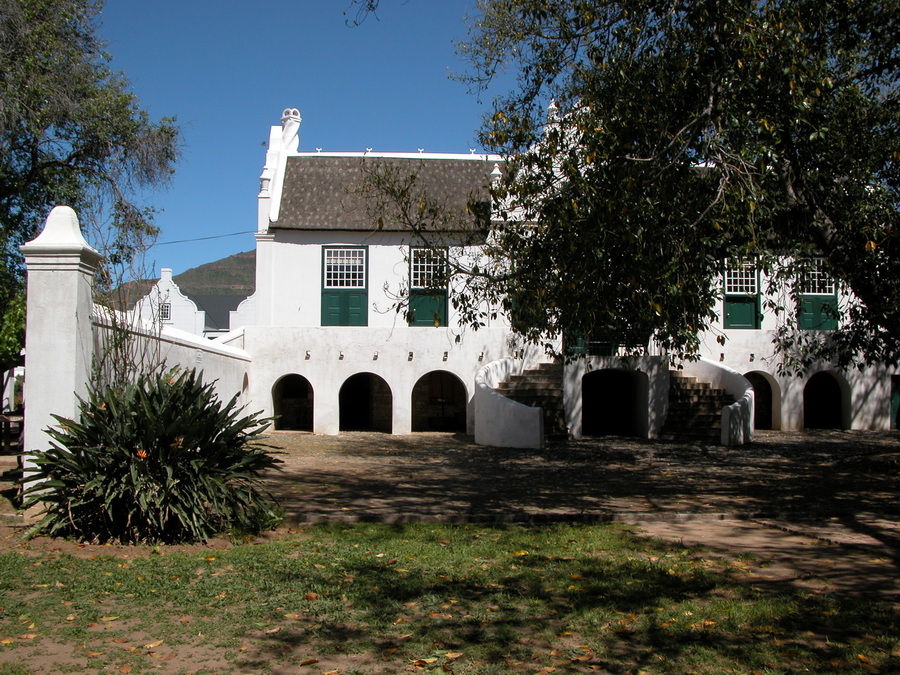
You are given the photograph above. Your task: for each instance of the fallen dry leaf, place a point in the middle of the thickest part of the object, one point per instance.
(28, 636)
(309, 662)
(153, 644)
(108, 618)
(125, 669)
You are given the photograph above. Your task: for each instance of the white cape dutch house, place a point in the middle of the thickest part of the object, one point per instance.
(321, 347)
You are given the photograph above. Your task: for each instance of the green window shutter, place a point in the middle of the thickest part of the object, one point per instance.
(575, 345)
(427, 287)
(357, 308)
(742, 311)
(818, 312)
(331, 308)
(427, 308)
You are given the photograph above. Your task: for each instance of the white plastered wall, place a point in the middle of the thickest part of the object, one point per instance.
(327, 357)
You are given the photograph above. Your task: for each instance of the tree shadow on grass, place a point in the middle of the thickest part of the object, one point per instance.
(583, 612)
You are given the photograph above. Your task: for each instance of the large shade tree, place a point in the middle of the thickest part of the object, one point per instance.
(71, 132)
(649, 141)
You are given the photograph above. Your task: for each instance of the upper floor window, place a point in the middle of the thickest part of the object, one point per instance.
(427, 287)
(344, 294)
(816, 281)
(742, 296)
(345, 268)
(427, 268)
(741, 280)
(818, 298)
(165, 311)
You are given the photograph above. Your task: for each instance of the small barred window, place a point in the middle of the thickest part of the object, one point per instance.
(816, 281)
(428, 269)
(345, 268)
(165, 311)
(741, 280)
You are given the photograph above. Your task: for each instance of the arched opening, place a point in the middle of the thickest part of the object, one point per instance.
(822, 407)
(762, 400)
(614, 402)
(439, 403)
(366, 404)
(895, 401)
(292, 401)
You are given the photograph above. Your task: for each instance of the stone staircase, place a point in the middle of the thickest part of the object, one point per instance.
(541, 387)
(695, 410)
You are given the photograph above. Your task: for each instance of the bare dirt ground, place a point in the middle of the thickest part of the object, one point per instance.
(820, 502)
(820, 508)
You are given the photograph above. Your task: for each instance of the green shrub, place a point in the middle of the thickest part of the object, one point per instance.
(161, 460)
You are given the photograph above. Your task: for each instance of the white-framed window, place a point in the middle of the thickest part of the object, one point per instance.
(165, 311)
(427, 268)
(816, 281)
(818, 303)
(741, 279)
(345, 267)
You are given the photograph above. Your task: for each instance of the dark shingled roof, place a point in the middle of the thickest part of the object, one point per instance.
(217, 308)
(326, 192)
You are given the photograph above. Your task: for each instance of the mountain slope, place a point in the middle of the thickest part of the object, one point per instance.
(234, 275)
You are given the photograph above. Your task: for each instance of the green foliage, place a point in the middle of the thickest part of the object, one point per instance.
(160, 460)
(12, 332)
(684, 133)
(71, 132)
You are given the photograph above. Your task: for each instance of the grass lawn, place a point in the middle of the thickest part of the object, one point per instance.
(427, 597)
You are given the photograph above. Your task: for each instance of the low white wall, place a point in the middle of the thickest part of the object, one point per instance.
(224, 365)
(737, 418)
(500, 421)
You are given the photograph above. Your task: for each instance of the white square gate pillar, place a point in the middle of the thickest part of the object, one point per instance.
(58, 332)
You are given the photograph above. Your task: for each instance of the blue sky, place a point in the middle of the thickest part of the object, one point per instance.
(227, 69)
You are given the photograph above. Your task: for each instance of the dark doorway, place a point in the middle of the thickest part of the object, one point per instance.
(292, 400)
(822, 407)
(895, 401)
(614, 402)
(762, 395)
(366, 404)
(439, 403)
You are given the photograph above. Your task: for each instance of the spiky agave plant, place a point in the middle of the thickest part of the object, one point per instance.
(160, 460)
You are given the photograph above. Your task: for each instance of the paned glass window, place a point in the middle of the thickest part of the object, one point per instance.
(165, 311)
(741, 280)
(816, 281)
(427, 269)
(345, 268)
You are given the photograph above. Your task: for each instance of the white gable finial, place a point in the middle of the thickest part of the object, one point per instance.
(496, 173)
